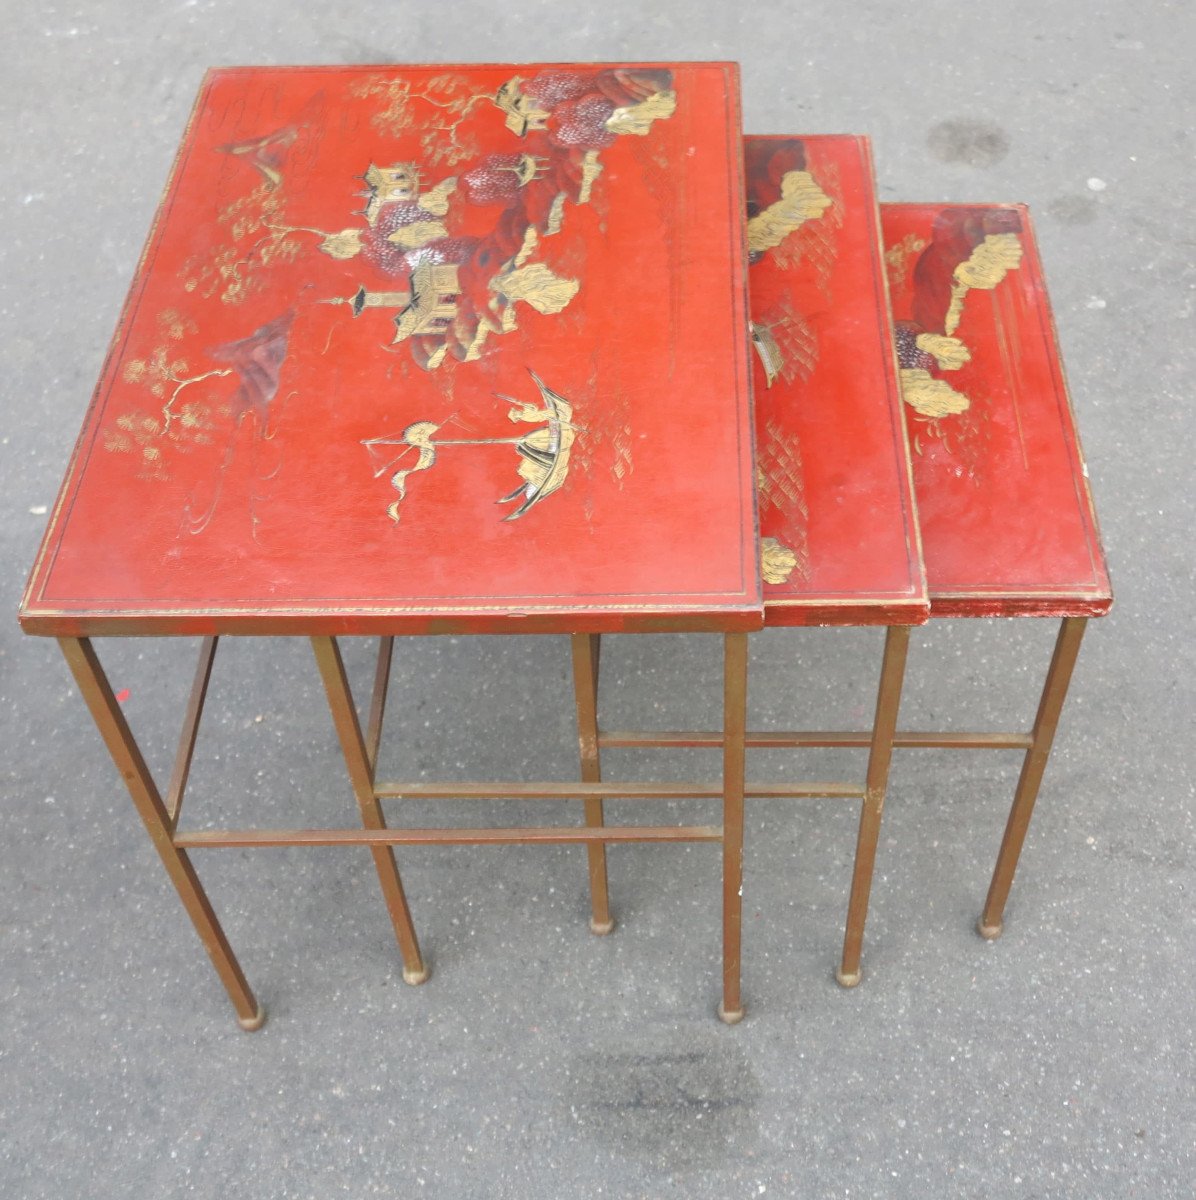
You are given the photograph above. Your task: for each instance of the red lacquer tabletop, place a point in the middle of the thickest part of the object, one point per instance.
(1007, 519)
(838, 527)
(414, 349)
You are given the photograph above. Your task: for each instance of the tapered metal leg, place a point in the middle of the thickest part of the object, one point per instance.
(730, 1010)
(586, 650)
(1067, 648)
(888, 701)
(348, 728)
(93, 683)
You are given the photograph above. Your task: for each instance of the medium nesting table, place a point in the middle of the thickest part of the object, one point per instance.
(423, 350)
(840, 539)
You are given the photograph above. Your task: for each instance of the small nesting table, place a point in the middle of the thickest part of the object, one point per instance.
(423, 350)
(1008, 524)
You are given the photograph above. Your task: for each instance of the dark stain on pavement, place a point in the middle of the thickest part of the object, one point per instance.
(975, 143)
(684, 1106)
(1073, 210)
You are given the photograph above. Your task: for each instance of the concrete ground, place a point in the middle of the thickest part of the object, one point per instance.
(541, 1061)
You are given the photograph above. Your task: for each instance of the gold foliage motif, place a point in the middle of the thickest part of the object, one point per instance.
(531, 239)
(175, 325)
(185, 426)
(345, 244)
(949, 352)
(235, 271)
(801, 200)
(156, 372)
(247, 213)
(538, 286)
(591, 168)
(777, 561)
(780, 481)
(417, 234)
(400, 115)
(898, 256)
(556, 215)
(182, 425)
(638, 118)
(473, 351)
(533, 283)
(396, 118)
(622, 464)
(609, 441)
(780, 474)
(988, 264)
(816, 243)
(146, 435)
(435, 201)
(929, 396)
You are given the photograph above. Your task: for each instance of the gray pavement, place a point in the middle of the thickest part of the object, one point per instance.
(540, 1061)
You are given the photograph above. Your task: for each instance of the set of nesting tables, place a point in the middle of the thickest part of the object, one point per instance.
(553, 349)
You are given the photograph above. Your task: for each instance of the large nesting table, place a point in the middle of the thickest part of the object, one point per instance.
(423, 350)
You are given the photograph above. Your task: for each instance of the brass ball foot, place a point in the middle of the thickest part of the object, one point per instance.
(602, 928)
(416, 977)
(254, 1023)
(732, 1017)
(848, 979)
(990, 933)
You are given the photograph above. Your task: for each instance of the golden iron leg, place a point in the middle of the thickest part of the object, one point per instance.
(1054, 692)
(348, 728)
(730, 1010)
(888, 701)
(373, 727)
(173, 800)
(587, 648)
(105, 711)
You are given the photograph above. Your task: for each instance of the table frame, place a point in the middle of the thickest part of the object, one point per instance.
(160, 813)
(884, 737)
(879, 743)
(1037, 745)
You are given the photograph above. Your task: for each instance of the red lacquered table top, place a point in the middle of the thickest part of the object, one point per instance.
(837, 517)
(1008, 525)
(420, 349)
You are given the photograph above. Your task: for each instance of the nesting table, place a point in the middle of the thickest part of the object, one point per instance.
(1008, 523)
(840, 543)
(423, 350)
